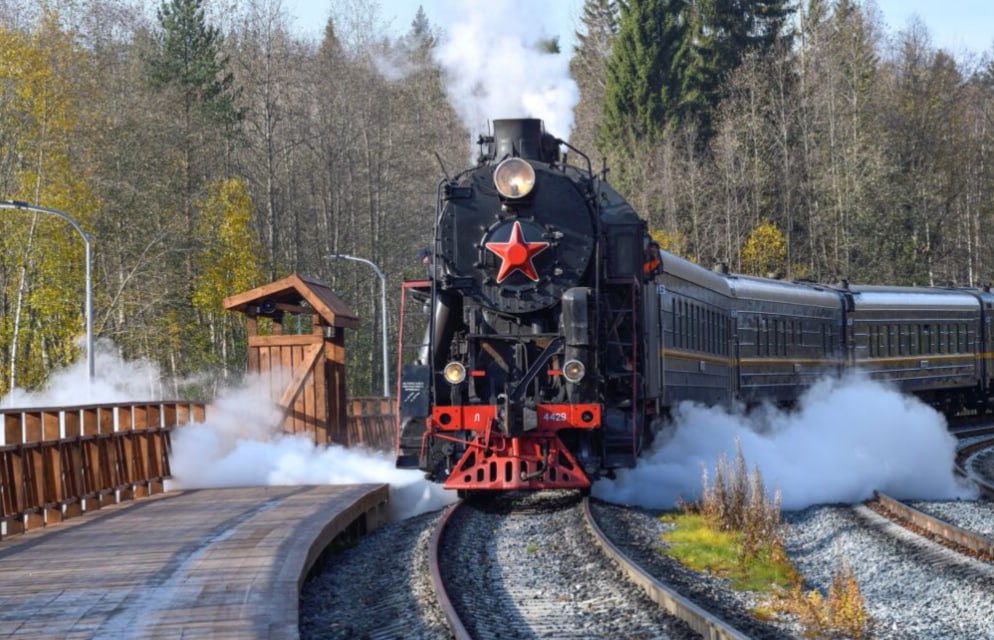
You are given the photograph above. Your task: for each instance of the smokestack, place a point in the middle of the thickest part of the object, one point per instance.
(523, 138)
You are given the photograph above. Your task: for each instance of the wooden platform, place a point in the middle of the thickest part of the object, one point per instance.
(218, 563)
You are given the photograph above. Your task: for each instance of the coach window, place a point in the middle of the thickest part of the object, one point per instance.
(771, 337)
(695, 320)
(764, 329)
(723, 333)
(713, 325)
(781, 337)
(760, 328)
(776, 326)
(710, 321)
(692, 313)
(688, 326)
(784, 344)
(688, 310)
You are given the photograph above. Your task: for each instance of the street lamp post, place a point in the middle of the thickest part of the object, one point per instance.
(24, 206)
(383, 313)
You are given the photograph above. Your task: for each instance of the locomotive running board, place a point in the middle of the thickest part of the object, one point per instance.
(533, 462)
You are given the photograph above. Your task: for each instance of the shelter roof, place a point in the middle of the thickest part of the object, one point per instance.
(290, 293)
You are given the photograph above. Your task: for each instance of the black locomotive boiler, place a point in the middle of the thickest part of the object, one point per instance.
(555, 341)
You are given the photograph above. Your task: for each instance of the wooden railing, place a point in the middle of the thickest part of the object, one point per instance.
(56, 463)
(372, 423)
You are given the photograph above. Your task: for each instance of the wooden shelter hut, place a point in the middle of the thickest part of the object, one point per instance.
(303, 355)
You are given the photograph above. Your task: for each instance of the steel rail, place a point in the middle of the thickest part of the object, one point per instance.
(946, 531)
(963, 455)
(707, 624)
(456, 625)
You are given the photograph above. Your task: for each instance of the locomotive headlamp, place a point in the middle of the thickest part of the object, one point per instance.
(573, 370)
(454, 372)
(514, 178)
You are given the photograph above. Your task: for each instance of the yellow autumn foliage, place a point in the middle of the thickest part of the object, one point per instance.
(230, 259)
(673, 241)
(40, 95)
(765, 251)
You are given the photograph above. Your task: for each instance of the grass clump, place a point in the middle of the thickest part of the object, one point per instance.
(735, 531)
(841, 615)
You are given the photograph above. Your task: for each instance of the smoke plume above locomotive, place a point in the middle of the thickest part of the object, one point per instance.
(494, 63)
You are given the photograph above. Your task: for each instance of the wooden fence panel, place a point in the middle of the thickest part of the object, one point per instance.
(371, 423)
(60, 462)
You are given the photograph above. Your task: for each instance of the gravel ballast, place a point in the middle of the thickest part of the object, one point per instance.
(913, 588)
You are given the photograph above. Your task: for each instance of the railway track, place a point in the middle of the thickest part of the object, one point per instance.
(975, 458)
(978, 440)
(379, 589)
(541, 566)
(935, 528)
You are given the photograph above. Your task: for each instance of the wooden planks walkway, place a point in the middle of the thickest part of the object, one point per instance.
(218, 563)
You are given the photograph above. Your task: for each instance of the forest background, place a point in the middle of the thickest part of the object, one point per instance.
(799, 140)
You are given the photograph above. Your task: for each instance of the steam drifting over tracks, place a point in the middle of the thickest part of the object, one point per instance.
(975, 459)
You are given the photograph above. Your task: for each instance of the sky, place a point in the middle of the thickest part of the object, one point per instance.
(956, 25)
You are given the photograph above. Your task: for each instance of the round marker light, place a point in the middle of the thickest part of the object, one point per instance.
(454, 372)
(514, 178)
(573, 370)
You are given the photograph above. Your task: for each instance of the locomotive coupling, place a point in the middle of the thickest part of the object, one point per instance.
(514, 417)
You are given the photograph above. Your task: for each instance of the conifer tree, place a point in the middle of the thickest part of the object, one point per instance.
(723, 33)
(588, 68)
(189, 56)
(643, 87)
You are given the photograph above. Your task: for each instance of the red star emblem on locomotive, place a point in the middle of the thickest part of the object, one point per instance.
(516, 254)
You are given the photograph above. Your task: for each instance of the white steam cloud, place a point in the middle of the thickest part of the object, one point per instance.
(239, 445)
(116, 380)
(494, 67)
(847, 438)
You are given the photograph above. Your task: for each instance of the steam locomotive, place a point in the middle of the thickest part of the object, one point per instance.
(557, 336)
